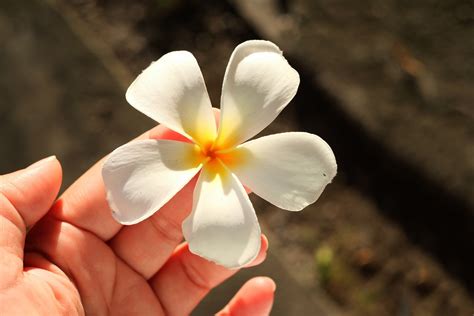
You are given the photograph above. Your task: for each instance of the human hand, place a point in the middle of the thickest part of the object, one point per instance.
(78, 260)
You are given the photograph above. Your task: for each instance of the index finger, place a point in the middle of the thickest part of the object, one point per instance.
(84, 203)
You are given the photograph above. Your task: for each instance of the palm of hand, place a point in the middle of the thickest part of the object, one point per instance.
(79, 260)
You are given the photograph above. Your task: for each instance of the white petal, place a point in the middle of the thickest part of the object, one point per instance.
(142, 176)
(258, 84)
(172, 92)
(223, 226)
(289, 170)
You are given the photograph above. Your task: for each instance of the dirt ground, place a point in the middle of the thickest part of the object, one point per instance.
(367, 247)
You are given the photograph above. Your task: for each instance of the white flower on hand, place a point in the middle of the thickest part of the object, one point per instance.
(289, 170)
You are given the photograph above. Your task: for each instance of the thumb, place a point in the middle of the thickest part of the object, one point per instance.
(25, 197)
(32, 191)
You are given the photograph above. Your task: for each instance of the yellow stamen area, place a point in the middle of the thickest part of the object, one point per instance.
(217, 158)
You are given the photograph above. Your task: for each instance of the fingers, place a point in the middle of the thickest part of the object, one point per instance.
(146, 246)
(106, 285)
(25, 197)
(186, 279)
(84, 203)
(255, 298)
(32, 190)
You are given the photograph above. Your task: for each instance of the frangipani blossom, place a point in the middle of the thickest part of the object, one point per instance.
(289, 170)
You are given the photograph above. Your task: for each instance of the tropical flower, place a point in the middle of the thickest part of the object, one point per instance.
(289, 170)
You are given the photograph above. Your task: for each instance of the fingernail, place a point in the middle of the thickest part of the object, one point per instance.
(42, 162)
(274, 286)
(267, 282)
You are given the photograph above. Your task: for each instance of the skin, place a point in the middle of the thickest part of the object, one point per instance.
(76, 259)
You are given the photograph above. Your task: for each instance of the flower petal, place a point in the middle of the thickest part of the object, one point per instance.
(289, 170)
(172, 92)
(142, 176)
(223, 226)
(258, 84)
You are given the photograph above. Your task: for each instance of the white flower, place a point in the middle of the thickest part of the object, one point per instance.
(289, 170)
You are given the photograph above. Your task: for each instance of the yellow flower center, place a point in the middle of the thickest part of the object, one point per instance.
(216, 158)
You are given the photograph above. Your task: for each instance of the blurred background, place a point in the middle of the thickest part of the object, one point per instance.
(388, 84)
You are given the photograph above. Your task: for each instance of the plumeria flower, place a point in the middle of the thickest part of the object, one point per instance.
(289, 170)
